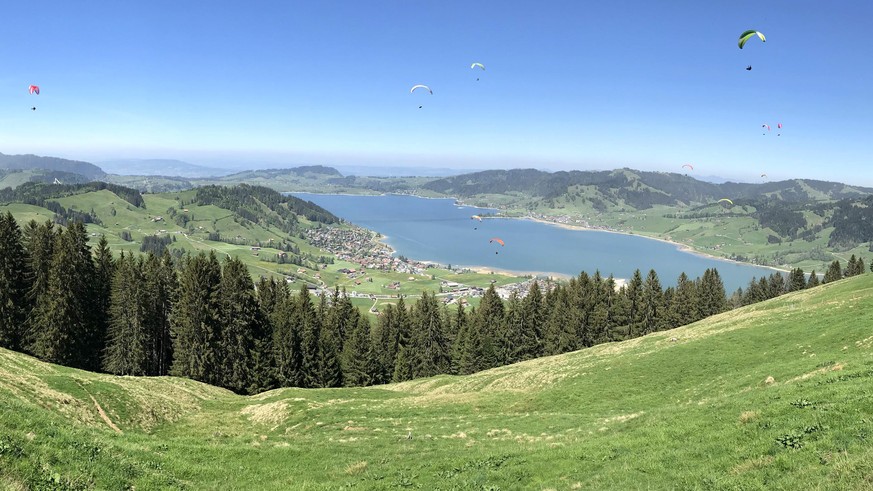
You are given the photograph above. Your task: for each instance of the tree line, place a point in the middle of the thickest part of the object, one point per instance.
(206, 319)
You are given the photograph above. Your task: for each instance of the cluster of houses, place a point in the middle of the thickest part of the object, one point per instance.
(361, 246)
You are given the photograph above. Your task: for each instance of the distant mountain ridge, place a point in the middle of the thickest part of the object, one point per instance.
(30, 162)
(160, 167)
(639, 189)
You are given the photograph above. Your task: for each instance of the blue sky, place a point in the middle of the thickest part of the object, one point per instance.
(568, 85)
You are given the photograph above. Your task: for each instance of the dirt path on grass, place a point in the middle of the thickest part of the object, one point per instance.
(102, 412)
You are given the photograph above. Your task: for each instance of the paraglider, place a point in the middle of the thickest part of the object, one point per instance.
(420, 86)
(749, 68)
(725, 200)
(476, 217)
(499, 241)
(748, 35)
(33, 89)
(33, 108)
(689, 166)
(765, 126)
(477, 65)
(779, 127)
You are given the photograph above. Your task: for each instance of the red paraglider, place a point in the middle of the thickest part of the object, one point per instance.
(33, 89)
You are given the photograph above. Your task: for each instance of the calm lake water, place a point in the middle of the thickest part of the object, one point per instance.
(439, 230)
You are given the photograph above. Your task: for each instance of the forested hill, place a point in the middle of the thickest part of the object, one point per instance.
(638, 189)
(262, 204)
(28, 162)
(35, 193)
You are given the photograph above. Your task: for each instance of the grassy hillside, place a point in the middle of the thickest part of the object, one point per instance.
(771, 396)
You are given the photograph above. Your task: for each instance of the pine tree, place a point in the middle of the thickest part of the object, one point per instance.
(40, 243)
(471, 357)
(559, 334)
(460, 327)
(64, 324)
(329, 368)
(430, 348)
(195, 321)
(103, 275)
(633, 293)
(14, 275)
(684, 304)
(711, 294)
(489, 322)
(834, 272)
(860, 266)
(533, 320)
(652, 304)
(128, 342)
(796, 280)
(813, 280)
(357, 364)
(310, 339)
(241, 326)
(161, 285)
(776, 285)
(512, 343)
(385, 337)
(851, 267)
(403, 366)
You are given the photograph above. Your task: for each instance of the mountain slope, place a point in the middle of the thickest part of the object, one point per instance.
(160, 167)
(771, 396)
(90, 171)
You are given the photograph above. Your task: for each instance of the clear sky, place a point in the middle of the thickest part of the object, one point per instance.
(568, 85)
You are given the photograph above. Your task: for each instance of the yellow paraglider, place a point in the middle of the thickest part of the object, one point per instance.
(725, 200)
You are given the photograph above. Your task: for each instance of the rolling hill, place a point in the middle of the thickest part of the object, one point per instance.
(771, 396)
(26, 162)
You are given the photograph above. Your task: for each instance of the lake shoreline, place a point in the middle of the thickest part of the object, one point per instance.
(680, 246)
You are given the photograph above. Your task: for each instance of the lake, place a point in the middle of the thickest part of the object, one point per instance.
(439, 230)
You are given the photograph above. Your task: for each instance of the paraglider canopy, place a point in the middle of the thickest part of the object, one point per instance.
(495, 239)
(476, 217)
(745, 36)
(689, 166)
(478, 65)
(33, 89)
(420, 86)
(725, 200)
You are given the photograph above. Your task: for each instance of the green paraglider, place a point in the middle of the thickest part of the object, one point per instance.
(748, 35)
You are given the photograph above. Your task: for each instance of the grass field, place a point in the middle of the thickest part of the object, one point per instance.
(772, 396)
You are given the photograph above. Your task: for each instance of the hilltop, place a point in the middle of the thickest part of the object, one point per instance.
(770, 396)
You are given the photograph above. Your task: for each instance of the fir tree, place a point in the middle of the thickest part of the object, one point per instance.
(489, 322)
(711, 294)
(559, 335)
(64, 324)
(851, 267)
(357, 364)
(652, 304)
(386, 339)
(241, 326)
(796, 280)
(160, 287)
(195, 321)
(834, 272)
(459, 326)
(633, 293)
(127, 344)
(40, 243)
(776, 286)
(512, 343)
(684, 304)
(103, 276)
(14, 285)
(813, 280)
(430, 348)
(310, 339)
(533, 320)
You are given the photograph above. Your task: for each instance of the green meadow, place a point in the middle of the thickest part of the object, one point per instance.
(776, 395)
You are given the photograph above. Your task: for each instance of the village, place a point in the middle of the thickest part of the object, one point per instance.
(365, 248)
